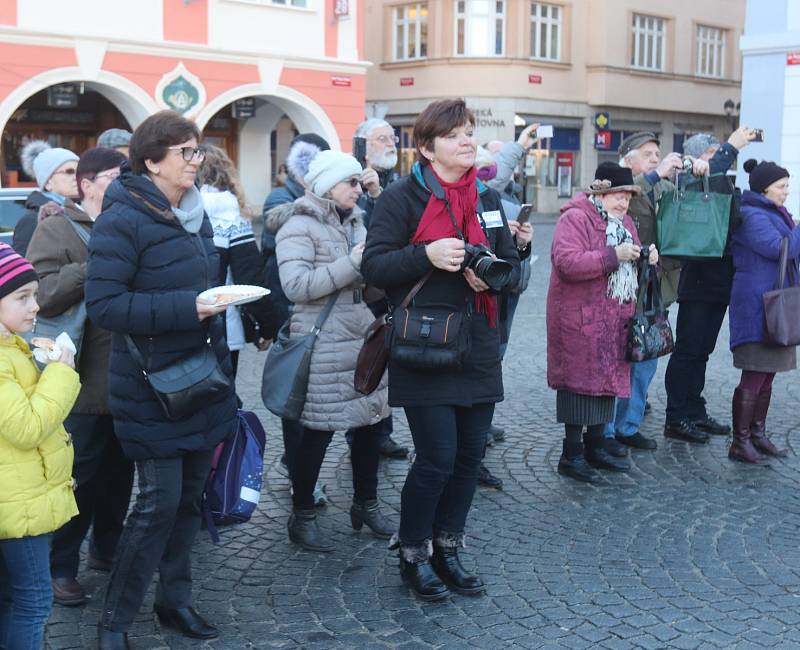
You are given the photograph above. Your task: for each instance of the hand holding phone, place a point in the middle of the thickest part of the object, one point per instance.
(524, 213)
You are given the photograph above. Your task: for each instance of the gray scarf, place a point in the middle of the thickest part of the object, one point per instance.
(624, 282)
(190, 212)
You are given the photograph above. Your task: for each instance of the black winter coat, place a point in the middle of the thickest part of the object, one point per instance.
(390, 262)
(143, 277)
(27, 223)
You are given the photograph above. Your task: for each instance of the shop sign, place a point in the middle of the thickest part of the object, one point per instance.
(534, 79)
(565, 159)
(64, 95)
(484, 118)
(338, 80)
(406, 81)
(244, 108)
(341, 8)
(602, 140)
(602, 121)
(793, 58)
(181, 91)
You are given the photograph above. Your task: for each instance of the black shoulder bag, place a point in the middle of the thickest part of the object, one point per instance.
(187, 384)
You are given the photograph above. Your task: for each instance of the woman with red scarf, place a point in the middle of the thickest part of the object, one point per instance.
(414, 234)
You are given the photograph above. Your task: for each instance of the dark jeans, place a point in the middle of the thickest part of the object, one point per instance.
(695, 339)
(25, 595)
(438, 491)
(158, 535)
(364, 456)
(103, 478)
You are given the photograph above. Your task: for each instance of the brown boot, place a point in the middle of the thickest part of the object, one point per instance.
(742, 449)
(758, 429)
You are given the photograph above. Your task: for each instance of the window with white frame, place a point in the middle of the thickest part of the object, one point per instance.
(649, 42)
(411, 31)
(710, 51)
(480, 27)
(291, 3)
(546, 31)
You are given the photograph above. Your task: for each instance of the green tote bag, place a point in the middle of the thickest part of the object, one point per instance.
(693, 224)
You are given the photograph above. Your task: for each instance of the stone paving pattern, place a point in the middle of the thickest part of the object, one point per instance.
(688, 550)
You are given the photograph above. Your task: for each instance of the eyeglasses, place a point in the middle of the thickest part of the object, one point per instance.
(190, 153)
(353, 182)
(109, 174)
(387, 139)
(68, 172)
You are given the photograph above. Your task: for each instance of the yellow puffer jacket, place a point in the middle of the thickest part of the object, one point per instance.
(35, 450)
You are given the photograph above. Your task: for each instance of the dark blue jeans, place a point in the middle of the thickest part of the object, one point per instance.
(25, 595)
(158, 534)
(449, 443)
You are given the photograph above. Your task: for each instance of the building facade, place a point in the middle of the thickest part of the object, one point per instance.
(771, 87)
(633, 64)
(251, 73)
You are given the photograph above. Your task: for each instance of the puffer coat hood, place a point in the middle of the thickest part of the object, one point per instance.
(313, 246)
(35, 451)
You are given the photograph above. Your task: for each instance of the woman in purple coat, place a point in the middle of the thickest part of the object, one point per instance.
(591, 298)
(756, 247)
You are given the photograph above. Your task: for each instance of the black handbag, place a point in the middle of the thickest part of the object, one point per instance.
(649, 331)
(782, 304)
(284, 383)
(187, 384)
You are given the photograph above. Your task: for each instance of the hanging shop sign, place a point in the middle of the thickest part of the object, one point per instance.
(64, 95)
(181, 91)
(602, 121)
(244, 108)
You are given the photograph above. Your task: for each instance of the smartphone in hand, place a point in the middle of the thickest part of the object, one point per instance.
(524, 213)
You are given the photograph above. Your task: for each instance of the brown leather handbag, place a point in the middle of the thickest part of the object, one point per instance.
(374, 353)
(782, 304)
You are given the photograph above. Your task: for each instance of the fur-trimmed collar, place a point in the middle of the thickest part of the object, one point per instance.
(324, 210)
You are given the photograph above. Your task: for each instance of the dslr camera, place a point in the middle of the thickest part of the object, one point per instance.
(480, 259)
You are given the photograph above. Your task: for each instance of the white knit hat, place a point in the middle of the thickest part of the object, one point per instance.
(329, 168)
(40, 160)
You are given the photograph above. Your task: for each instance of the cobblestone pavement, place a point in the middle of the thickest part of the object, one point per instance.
(688, 550)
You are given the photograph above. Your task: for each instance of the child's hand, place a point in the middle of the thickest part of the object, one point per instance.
(67, 357)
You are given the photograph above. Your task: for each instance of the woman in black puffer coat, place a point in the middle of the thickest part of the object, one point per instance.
(150, 255)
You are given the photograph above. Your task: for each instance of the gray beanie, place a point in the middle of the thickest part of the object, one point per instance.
(698, 144)
(328, 168)
(40, 160)
(112, 138)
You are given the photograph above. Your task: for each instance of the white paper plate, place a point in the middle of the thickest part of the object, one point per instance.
(234, 294)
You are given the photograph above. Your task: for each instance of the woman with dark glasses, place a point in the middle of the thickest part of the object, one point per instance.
(320, 239)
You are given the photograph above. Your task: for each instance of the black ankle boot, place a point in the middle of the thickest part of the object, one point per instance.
(304, 530)
(369, 513)
(186, 621)
(597, 456)
(108, 640)
(574, 465)
(422, 579)
(448, 567)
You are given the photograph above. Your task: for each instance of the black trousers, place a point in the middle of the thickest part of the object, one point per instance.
(158, 534)
(364, 456)
(437, 495)
(695, 339)
(104, 478)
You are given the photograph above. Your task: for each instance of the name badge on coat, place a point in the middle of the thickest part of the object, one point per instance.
(492, 219)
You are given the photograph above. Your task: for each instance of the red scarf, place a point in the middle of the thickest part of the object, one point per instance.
(436, 224)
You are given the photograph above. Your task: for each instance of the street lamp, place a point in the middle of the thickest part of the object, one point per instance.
(732, 112)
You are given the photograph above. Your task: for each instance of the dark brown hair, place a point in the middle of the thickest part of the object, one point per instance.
(96, 160)
(437, 120)
(151, 139)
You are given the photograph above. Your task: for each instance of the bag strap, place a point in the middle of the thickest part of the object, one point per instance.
(783, 264)
(137, 356)
(416, 289)
(79, 230)
(326, 311)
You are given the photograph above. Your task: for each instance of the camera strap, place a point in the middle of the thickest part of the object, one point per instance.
(438, 191)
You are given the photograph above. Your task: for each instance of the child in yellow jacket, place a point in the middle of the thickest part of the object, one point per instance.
(35, 460)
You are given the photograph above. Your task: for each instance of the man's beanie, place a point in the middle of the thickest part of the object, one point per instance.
(40, 160)
(15, 271)
(698, 144)
(329, 168)
(763, 174)
(113, 138)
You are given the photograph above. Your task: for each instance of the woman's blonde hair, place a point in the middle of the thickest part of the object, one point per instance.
(218, 171)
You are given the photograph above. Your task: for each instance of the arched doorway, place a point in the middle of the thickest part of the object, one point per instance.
(258, 141)
(65, 115)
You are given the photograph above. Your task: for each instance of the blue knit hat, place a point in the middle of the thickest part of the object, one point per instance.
(40, 160)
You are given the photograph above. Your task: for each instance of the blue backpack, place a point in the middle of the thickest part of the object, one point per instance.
(233, 487)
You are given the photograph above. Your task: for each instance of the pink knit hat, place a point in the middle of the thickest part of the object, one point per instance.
(15, 270)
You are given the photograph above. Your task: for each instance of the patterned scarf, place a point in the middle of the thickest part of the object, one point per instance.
(624, 282)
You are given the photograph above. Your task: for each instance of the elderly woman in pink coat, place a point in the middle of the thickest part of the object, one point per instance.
(590, 301)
